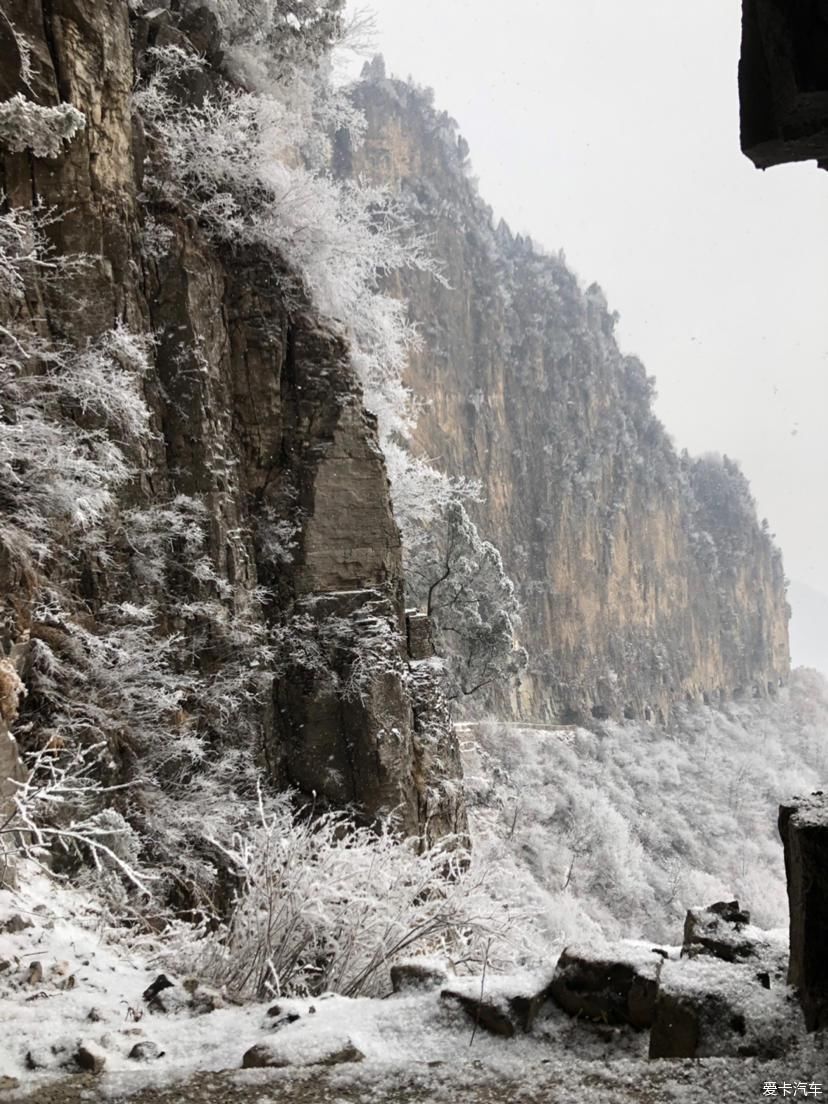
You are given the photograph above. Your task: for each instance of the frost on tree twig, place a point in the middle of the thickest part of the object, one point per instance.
(43, 130)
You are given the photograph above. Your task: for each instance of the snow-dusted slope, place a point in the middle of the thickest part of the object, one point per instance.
(624, 829)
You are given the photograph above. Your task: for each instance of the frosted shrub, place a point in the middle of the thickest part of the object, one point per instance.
(43, 130)
(460, 581)
(327, 905)
(110, 688)
(421, 493)
(295, 32)
(58, 811)
(52, 470)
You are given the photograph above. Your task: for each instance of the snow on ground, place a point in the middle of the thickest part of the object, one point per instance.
(91, 989)
(593, 834)
(68, 981)
(415, 1046)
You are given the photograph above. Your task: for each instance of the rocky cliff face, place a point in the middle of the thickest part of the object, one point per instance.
(644, 575)
(257, 423)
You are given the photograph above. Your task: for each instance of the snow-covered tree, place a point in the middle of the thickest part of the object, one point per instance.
(459, 579)
(295, 33)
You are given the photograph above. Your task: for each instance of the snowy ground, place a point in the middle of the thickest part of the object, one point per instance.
(415, 1046)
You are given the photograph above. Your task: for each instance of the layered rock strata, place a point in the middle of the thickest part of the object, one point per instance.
(644, 575)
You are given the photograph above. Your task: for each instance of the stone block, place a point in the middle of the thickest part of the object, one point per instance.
(722, 930)
(616, 984)
(420, 644)
(803, 826)
(709, 1008)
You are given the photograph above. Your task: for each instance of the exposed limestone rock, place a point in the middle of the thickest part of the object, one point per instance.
(11, 771)
(90, 1057)
(525, 1008)
(418, 628)
(645, 577)
(15, 923)
(803, 825)
(616, 985)
(146, 1051)
(325, 1052)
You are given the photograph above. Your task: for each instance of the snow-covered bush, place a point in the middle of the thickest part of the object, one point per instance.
(458, 578)
(295, 33)
(25, 124)
(59, 814)
(327, 905)
(55, 471)
(345, 653)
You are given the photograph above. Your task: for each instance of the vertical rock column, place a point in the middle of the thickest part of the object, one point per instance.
(803, 825)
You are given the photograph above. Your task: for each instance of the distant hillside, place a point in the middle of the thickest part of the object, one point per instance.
(809, 627)
(622, 830)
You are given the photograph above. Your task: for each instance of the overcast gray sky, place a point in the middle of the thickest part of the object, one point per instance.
(611, 130)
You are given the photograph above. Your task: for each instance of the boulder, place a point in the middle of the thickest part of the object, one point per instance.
(204, 1000)
(315, 1052)
(34, 975)
(262, 1056)
(710, 1008)
(722, 930)
(90, 1057)
(146, 1051)
(417, 975)
(803, 826)
(616, 984)
(484, 1013)
(525, 1009)
(15, 924)
(161, 983)
(276, 1019)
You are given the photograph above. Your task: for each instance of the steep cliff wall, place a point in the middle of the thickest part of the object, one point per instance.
(257, 429)
(644, 575)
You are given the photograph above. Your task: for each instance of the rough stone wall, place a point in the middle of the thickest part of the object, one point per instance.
(255, 405)
(644, 575)
(783, 81)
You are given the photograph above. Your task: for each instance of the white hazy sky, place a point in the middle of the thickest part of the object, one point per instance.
(611, 130)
